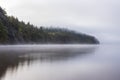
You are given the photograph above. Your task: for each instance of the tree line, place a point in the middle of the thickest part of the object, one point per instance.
(13, 31)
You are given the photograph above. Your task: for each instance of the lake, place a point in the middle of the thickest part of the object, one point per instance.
(60, 62)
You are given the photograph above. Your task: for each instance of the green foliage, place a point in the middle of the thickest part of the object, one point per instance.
(2, 11)
(3, 33)
(14, 31)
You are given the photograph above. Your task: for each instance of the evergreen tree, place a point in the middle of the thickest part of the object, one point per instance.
(3, 33)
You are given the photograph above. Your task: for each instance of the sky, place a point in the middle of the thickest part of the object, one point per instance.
(100, 18)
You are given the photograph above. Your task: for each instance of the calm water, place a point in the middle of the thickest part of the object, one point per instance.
(60, 62)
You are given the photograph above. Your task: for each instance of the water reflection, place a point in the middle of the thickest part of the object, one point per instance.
(9, 61)
(11, 57)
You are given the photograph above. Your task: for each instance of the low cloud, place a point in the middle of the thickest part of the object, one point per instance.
(97, 17)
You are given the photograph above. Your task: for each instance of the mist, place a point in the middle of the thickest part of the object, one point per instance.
(99, 18)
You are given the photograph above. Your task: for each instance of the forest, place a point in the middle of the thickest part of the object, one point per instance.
(14, 31)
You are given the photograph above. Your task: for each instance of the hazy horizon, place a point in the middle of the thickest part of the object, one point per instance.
(99, 18)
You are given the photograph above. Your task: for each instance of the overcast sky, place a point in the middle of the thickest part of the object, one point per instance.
(100, 18)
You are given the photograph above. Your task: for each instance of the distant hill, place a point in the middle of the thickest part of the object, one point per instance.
(13, 31)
